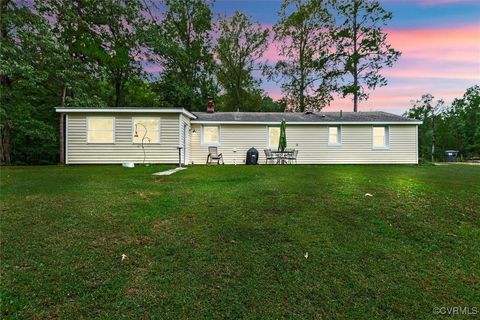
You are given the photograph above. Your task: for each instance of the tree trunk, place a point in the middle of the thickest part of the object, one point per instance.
(355, 92)
(237, 95)
(302, 70)
(433, 138)
(61, 138)
(5, 144)
(355, 64)
(62, 127)
(118, 92)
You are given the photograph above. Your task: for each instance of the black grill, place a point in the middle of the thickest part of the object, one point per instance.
(252, 156)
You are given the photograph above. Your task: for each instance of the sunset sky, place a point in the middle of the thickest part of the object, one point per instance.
(439, 41)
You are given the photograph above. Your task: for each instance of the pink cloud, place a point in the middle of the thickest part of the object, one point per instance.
(448, 53)
(442, 61)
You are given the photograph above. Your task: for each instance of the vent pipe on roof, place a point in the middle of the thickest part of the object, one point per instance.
(341, 113)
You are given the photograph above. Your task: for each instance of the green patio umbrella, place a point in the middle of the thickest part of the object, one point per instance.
(282, 141)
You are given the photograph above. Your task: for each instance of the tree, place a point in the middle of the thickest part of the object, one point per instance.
(463, 123)
(106, 35)
(240, 44)
(182, 42)
(445, 128)
(27, 53)
(307, 71)
(428, 111)
(362, 46)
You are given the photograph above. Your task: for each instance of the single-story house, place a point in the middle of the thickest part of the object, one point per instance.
(117, 135)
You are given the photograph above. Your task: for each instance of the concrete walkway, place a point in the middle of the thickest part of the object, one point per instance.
(168, 172)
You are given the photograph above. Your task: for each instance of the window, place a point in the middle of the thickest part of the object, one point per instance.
(273, 137)
(380, 137)
(100, 129)
(211, 135)
(334, 136)
(146, 129)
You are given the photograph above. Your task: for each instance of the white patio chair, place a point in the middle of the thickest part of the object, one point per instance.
(214, 156)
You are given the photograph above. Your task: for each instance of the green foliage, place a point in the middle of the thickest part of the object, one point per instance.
(240, 44)
(29, 88)
(106, 35)
(362, 46)
(256, 101)
(448, 128)
(306, 70)
(182, 43)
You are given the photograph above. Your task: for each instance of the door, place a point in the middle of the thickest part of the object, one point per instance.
(186, 149)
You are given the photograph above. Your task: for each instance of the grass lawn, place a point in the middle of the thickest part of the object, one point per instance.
(230, 242)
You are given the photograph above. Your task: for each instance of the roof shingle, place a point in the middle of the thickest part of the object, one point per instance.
(370, 116)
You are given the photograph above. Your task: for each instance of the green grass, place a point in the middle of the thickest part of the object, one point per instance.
(229, 242)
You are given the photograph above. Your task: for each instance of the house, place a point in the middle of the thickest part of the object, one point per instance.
(154, 135)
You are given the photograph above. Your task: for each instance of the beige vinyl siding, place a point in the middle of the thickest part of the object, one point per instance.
(123, 149)
(312, 143)
(241, 137)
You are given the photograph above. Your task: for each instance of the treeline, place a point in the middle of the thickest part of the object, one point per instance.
(96, 53)
(454, 127)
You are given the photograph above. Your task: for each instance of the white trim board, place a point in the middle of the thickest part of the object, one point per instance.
(130, 110)
(324, 123)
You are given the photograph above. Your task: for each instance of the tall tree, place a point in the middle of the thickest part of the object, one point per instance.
(306, 68)
(429, 111)
(29, 89)
(182, 42)
(462, 122)
(362, 46)
(239, 46)
(105, 33)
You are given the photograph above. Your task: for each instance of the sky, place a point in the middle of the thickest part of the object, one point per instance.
(439, 41)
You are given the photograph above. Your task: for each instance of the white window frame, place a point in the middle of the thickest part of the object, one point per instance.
(339, 139)
(113, 129)
(386, 145)
(211, 144)
(145, 118)
(269, 146)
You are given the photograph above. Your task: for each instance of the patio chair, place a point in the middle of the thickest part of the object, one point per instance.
(269, 156)
(214, 156)
(292, 156)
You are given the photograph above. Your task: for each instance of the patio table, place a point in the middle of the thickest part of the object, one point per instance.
(282, 155)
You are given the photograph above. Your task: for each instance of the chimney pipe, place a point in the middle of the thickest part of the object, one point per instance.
(210, 105)
(341, 113)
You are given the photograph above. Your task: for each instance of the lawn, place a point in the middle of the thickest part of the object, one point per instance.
(231, 242)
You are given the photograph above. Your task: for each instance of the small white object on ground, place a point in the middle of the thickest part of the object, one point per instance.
(124, 256)
(128, 165)
(306, 255)
(169, 172)
(368, 195)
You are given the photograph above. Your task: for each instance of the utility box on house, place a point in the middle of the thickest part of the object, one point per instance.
(451, 155)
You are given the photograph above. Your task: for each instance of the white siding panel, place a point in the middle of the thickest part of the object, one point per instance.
(312, 143)
(123, 150)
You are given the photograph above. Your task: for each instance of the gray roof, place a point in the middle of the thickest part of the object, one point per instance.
(371, 116)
